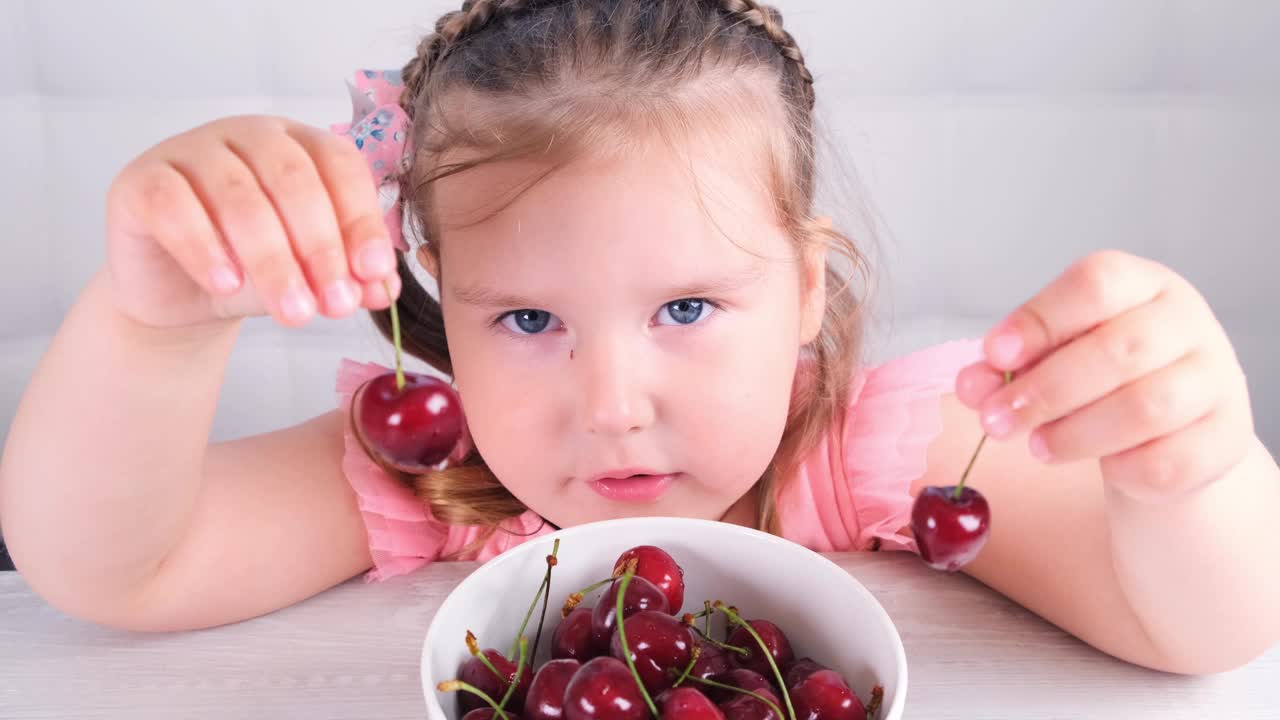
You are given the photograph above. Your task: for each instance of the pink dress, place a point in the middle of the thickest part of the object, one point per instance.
(857, 499)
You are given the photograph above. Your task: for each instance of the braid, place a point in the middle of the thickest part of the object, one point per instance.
(451, 26)
(769, 20)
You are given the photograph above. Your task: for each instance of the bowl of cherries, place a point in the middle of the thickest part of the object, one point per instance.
(662, 619)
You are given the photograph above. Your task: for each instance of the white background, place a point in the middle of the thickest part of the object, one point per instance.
(998, 141)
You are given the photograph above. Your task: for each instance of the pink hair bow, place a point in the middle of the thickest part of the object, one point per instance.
(379, 128)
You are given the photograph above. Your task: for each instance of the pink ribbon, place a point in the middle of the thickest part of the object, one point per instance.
(379, 128)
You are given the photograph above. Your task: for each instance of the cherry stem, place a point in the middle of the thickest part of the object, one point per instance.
(722, 686)
(955, 495)
(706, 605)
(575, 599)
(723, 646)
(395, 336)
(543, 586)
(474, 648)
(456, 685)
(511, 686)
(877, 697)
(551, 562)
(735, 619)
(622, 639)
(693, 660)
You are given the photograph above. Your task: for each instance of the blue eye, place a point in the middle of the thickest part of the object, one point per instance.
(686, 311)
(529, 322)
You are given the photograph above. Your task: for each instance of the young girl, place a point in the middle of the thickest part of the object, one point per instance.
(641, 310)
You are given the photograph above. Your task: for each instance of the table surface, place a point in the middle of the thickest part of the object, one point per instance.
(353, 651)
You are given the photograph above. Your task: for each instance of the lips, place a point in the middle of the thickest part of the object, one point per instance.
(633, 485)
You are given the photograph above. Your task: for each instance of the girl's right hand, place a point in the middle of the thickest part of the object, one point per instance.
(248, 215)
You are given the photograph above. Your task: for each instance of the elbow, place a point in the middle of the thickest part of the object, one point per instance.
(1230, 650)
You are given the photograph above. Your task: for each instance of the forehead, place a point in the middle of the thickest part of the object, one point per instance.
(709, 200)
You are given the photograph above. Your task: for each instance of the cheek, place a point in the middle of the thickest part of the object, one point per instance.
(736, 398)
(508, 404)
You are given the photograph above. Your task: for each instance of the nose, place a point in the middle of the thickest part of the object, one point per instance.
(615, 398)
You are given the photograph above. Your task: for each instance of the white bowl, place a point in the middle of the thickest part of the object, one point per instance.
(826, 613)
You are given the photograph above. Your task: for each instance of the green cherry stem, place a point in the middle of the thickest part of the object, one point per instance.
(693, 660)
(474, 647)
(395, 336)
(511, 686)
(736, 619)
(955, 495)
(723, 646)
(722, 686)
(456, 685)
(546, 595)
(622, 639)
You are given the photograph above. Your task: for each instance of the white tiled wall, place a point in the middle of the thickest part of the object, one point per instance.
(998, 141)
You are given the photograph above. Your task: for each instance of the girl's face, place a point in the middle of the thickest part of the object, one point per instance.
(624, 341)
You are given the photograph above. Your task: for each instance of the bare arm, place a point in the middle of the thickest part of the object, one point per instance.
(1182, 588)
(115, 506)
(115, 509)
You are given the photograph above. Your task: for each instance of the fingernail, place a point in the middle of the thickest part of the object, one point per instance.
(1005, 348)
(999, 423)
(223, 279)
(339, 296)
(1039, 447)
(297, 304)
(376, 258)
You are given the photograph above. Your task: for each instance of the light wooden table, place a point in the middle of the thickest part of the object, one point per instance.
(352, 652)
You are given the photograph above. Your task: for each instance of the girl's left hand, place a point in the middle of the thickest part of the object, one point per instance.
(1119, 359)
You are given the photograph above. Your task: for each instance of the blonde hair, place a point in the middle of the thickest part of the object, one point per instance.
(520, 79)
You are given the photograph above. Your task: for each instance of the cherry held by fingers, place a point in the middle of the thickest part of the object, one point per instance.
(412, 428)
(409, 421)
(951, 523)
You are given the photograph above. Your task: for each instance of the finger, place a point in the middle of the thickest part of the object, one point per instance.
(355, 201)
(1150, 407)
(1090, 292)
(375, 293)
(1090, 366)
(1185, 461)
(165, 203)
(291, 182)
(976, 382)
(252, 229)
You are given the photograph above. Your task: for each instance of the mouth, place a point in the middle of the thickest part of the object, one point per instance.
(632, 485)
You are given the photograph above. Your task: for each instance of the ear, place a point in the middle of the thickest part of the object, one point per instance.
(428, 262)
(813, 301)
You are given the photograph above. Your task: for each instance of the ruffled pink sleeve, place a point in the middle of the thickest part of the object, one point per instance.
(402, 534)
(848, 498)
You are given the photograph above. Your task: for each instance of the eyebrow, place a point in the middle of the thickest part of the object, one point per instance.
(489, 297)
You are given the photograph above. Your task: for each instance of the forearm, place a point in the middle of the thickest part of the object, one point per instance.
(1201, 573)
(103, 461)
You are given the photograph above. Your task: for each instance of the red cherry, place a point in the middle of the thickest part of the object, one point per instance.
(711, 661)
(741, 678)
(475, 673)
(604, 689)
(686, 703)
(658, 567)
(755, 659)
(572, 637)
(745, 707)
(950, 531)
(801, 669)
(546, 693)
(657, 643)
(412, 428)
(824, 695)
(641, 595)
